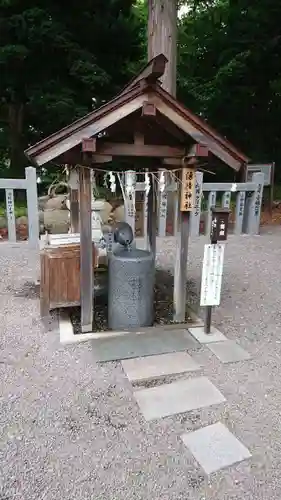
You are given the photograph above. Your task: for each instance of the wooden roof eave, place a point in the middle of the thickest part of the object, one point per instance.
(213, 140)
(75, 131)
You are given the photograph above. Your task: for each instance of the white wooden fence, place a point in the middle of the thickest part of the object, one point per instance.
(248, 202)
(29, 184)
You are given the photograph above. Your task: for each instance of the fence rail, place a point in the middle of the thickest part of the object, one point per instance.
(248, 201)
(29, 184)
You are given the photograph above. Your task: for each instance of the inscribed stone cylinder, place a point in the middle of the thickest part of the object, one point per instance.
(131, 289)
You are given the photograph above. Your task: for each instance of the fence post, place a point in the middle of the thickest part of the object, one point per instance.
(32, 207)
(162, 208)
(130, 200)
(211, 203)
(196, 213)
(10, 214)
(226, 200)
(253, 212)
(239, 212)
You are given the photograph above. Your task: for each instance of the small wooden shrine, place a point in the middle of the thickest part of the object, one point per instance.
(147, 127)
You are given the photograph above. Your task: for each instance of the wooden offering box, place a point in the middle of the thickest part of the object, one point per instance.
(60, 276)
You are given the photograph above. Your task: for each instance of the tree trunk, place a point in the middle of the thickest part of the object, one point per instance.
(15, 132)
(162, 38)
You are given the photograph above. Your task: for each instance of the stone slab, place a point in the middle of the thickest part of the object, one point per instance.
(138, 345)
(214, 447)
(177, 397)
(207, 338)
(229, 352)
(160, 365)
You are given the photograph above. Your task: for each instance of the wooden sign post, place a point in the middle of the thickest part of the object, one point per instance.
(186, 204)
(213, 264)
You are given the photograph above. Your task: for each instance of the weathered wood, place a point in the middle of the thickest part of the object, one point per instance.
(99, 124)
(239, 212)
(253, 212)
(196, 213)
(32, 207)
(13, 184)
(228, 186)
(226, 200)
(190, 128)
(141, 150)
(180, 275)
(151, 72)
(73, 183)
(162, 211)
(10, 213)
(89, 145)
(198, 150)
(187, 190)
(86, 265)
(60, 276)
(152, 218)
(130, 198)
(148, 109)
(211, 203)
(162, 38)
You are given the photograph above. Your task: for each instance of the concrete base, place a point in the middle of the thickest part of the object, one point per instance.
(67, 335)
(207, 338)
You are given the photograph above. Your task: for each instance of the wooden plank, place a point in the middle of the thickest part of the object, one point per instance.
(253, 214)
(10, 213)
(196, 213)
(228, 186)
(74, 200)
(211, 203)
(141, 150)
(32, 207)
(181, 267)
(152, 71)
(100, 124)
(130, 199)
(86, 265)
(239, 212)
(226, 200)
(162, 210)
(189, 128)
(13, 184)
(152, 218)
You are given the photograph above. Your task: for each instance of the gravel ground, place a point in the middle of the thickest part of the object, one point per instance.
(70, 429)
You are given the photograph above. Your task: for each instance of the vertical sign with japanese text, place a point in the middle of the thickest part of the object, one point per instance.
(212, 275)
(187, 189)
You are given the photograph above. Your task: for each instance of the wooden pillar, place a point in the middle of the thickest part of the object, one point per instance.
(182, 231)
(74, 200)
(152, 218)
(86, 261)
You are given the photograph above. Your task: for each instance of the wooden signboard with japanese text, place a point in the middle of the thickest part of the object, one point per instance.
(212, 275)
(188, 189)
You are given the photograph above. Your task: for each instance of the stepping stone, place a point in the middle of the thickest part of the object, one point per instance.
(135, 345)
(206, 338)
(177, 397)
(229, 352)
(157, 366)
(214, 447)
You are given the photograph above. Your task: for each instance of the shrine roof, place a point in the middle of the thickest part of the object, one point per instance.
(145, 89)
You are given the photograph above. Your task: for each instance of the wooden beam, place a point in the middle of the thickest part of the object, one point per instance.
(153, 70)
(180, 275)
(86, 261)
(198, 150)
(74, 200)
(148, 109)
(119, 149)
(89, 145)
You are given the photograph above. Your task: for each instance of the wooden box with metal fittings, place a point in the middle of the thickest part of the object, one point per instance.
(60, 276)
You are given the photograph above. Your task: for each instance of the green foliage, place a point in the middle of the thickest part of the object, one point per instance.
(57, 61)
(230, 71)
